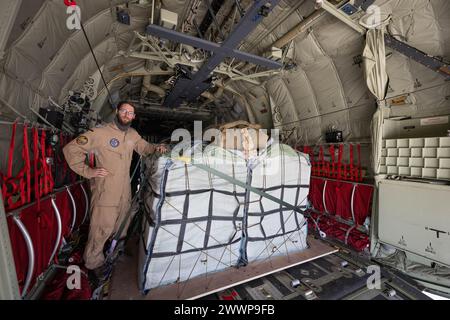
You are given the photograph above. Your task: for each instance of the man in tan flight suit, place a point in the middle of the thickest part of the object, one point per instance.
(113, 146)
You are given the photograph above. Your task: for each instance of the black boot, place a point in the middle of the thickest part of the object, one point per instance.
(94, 280)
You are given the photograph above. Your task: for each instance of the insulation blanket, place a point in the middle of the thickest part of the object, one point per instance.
(197, 223)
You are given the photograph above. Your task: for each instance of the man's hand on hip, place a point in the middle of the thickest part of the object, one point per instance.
(100, 172)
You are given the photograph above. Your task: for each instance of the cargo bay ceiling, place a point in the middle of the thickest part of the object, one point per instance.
(321, 83)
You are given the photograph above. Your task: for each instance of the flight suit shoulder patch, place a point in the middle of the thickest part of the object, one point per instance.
(82, 140)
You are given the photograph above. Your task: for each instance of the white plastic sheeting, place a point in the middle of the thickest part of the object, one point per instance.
(203, 224)
(377, 80)
(272, 229)
(375, 63)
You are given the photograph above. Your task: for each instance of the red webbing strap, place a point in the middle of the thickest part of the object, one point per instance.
(62, 143)
(47, 186)
(327, 169)
(43, 188)
(341, 151)
(10, 181)
(322, 161)
(10, 161)
(50, 174)
(307, 150)
(23, 186)
(25, 195)
(26, 154)
(352, 169)
(360, 178)
(65, 165)
(35, 168)
(91, 160)
(11, 150)
(8, 177)
(344, 165)
(50, 154)
(333, 162)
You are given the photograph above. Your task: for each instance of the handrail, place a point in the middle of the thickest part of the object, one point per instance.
(55, 191)
(74, 209)
(352, 199)
(341, 220)
(324, 192)
(30, 251)
(32, 123)
(352, 204)
(15, 214)
(58, 238)
(344, 181)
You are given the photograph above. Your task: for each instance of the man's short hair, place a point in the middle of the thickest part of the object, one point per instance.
(121, 103)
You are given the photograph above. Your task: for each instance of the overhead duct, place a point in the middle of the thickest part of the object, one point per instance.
(147, 87)
(299, 29)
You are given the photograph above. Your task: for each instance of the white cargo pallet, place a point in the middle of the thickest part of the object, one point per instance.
(203, 224)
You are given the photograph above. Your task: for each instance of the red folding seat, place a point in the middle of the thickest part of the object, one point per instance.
(362, 203)
(316, 194)
(343, 200)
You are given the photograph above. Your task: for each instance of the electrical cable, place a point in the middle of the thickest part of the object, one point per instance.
(96, 61)
(416, 91)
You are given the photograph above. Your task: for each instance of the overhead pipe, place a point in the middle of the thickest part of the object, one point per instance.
(299, 29)
(290, 35)
(147, 87)
(293, 33)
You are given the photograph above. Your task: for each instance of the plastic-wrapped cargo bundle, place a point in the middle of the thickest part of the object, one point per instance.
(197, 219)
(273, 229)
(203, 224)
